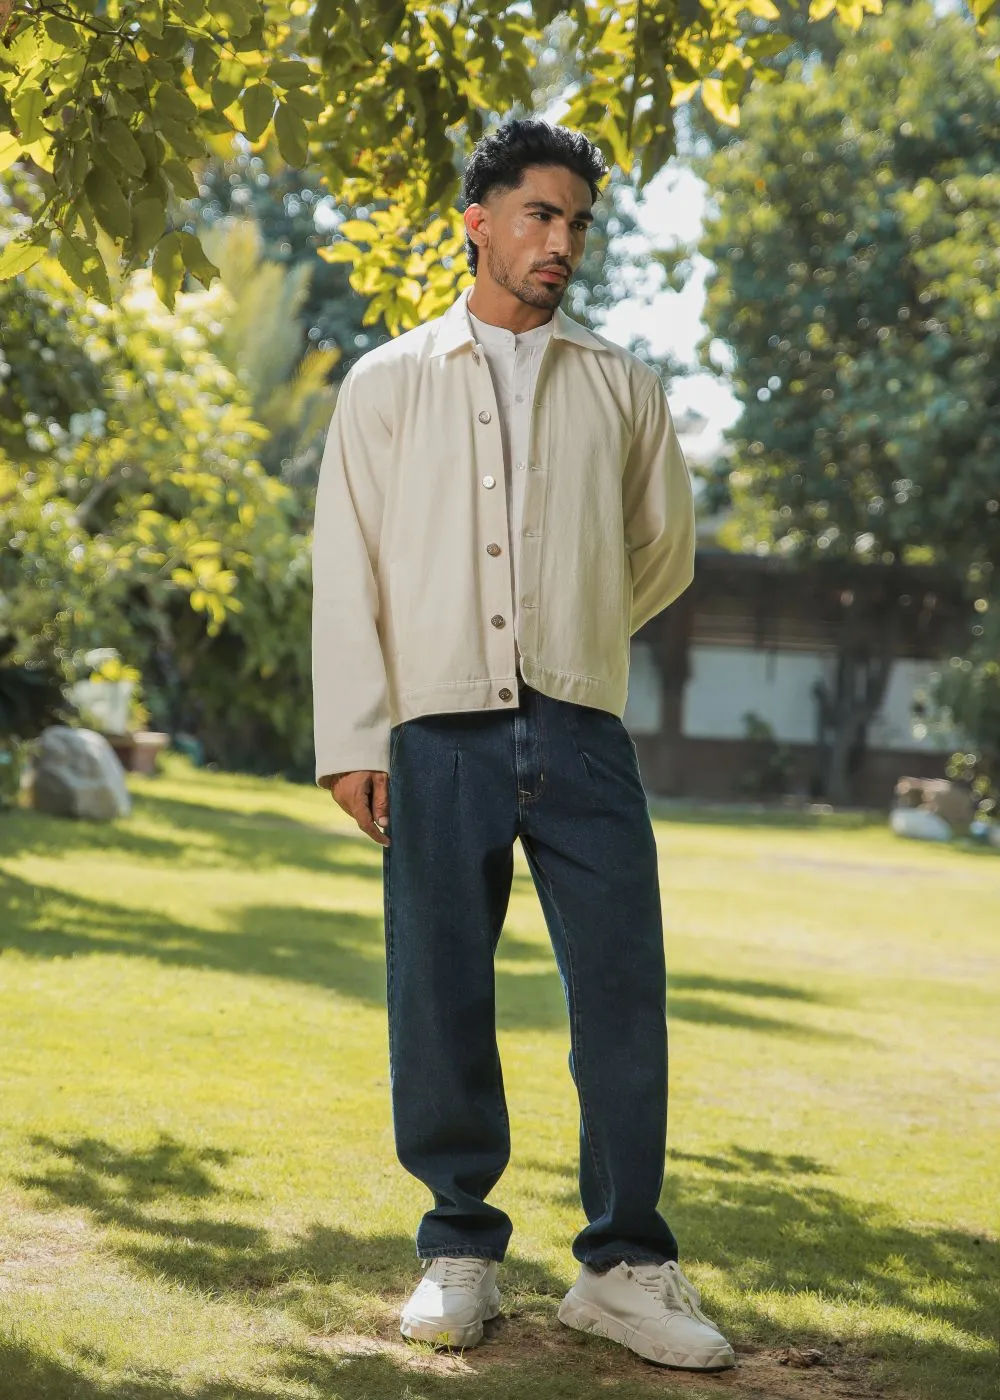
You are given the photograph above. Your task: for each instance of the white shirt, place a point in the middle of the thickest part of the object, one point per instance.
(513, 359)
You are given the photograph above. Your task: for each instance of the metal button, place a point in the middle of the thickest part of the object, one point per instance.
(493, 549)
(489, 482)
(485, 417)
(497, 620)
(506, 694)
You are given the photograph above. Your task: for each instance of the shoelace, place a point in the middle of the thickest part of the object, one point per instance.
(455, 1272)
(671, 1287)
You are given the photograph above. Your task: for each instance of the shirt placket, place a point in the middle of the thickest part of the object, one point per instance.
(497, 518)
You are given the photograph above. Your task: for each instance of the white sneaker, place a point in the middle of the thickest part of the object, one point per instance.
(652, 1309)
(452, 1301)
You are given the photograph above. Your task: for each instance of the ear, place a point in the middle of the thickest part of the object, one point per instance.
(477, 224)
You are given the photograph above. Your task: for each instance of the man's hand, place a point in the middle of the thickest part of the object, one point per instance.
(364, 795)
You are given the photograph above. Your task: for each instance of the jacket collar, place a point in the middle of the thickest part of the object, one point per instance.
(454, 329)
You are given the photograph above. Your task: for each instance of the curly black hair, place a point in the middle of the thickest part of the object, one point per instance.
(501, 157)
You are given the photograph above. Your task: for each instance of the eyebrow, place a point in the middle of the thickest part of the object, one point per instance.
(555, 209)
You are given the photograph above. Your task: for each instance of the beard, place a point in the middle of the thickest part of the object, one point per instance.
(538, 294)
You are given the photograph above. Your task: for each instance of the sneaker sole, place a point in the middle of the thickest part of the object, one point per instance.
(587, 1317)
(420, 1329)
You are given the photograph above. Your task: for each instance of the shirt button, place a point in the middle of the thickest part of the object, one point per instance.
(493, 549)
(519, 398)
(505, 694)
(484, 417)
(489, 482)
(497, 620)
(521, 466)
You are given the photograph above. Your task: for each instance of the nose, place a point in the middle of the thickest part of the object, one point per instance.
(559, 243)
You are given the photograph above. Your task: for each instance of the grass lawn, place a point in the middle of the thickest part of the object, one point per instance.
(198, 1190)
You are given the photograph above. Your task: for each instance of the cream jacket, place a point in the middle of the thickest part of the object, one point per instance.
(412, 591)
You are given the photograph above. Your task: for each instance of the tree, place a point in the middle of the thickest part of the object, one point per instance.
(261, 341)
(115, 103)
(854, 239)
(145, 522)
(295, 216)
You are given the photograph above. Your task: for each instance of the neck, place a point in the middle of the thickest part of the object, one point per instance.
(495, 305)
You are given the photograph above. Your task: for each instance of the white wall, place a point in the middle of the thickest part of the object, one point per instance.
(726, 682)
(644, 706)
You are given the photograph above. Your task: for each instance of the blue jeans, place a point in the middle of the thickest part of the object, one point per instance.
(462, 788)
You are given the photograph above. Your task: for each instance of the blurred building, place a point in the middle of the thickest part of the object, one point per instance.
(822, 664)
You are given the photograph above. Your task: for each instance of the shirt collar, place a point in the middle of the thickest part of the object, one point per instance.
(455, 329)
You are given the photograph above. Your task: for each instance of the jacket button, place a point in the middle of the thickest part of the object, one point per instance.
(493, 549)
(489, 482)
(484, 417)
(497, 620)
(505, 694)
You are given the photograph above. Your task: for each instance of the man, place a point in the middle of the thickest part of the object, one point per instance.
(502, 502)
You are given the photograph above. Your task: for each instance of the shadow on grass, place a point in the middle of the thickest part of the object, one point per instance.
(759, 1217)
(334, 949)
(344, 952)
(194, 835)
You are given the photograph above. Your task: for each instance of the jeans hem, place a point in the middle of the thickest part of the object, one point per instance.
(460, 1252)
(600, 1263)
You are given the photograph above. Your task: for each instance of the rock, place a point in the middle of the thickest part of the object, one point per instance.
(809, 1356)
(951, 801)
(919, 824)
(78, 775)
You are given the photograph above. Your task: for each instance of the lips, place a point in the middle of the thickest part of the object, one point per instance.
(551, 274)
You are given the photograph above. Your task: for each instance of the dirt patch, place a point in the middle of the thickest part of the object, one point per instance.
(35, 1247)
(762, 1373)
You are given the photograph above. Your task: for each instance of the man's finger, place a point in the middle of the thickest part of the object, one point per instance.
(370, 829)
(380, 800)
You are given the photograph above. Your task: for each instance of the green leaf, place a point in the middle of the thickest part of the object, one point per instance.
(169, 101)
(258, 108)
(190, 11)
(28, 106)
(18, 256)
(359, 231)
(195, 260)
(150, 16)
(168, 268)
(85, 267)
(293, 138)
(149, 217)
(763, 45)
(69, 36)
(307, 104)
(714, 98)
(205, 62)
(107, 201)
(10, 149)
(290, 72)
(123, 146)
(340, 253)
(228, 83)
(233, 16)
(181, 138)
(181, 178)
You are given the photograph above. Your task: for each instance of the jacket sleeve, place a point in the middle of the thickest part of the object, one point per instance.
(658, 511)
(350, 691)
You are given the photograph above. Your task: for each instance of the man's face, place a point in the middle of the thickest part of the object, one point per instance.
(531, 239)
